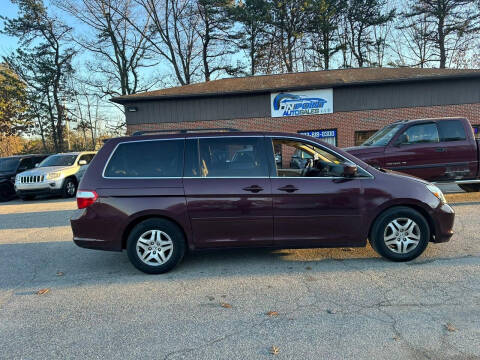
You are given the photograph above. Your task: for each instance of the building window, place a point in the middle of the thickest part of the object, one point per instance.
(362, 136)
(476, 131)
(327, 135)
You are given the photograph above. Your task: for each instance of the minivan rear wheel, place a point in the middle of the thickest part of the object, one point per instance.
(155, 246)
(400, 234)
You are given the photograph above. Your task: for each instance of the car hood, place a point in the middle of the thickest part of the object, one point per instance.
(364, 150)
(403, 175)
(45, 170)
(6, 175)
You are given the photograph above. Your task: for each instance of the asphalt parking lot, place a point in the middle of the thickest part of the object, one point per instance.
(306, 304)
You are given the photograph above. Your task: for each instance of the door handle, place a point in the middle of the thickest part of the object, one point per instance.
(440, 149)
(253, 188)
(288, 188)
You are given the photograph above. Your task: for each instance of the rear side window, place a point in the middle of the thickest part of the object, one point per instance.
(422, 133)
(232, 157)
(155, 159)
(451, 130)
(87, 158)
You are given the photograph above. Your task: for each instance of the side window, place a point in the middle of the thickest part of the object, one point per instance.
(421, 133)
(301, 159)
(159, 158)
(192, 168)
(451, 130)
(38, 160)
(87, 158)
(232, 157)
(26, 164)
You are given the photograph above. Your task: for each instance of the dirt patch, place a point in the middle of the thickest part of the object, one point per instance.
(463, 197)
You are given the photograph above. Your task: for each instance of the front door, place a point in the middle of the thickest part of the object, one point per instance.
(316, 205)
(228, 191)
(417, 151)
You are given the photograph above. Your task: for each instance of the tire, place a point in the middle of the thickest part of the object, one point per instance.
(27, 197)
(156, 231)
(5, 193)
(408, 241)
(69, 188)
(470, 187)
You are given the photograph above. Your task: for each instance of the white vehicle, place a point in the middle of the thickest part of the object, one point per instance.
(58, 174)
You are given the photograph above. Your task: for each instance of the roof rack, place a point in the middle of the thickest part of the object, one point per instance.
(183, 131)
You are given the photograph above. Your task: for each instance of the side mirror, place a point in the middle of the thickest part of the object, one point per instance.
(37, 164)
(349, 171)
(402, 139)
(82, 162)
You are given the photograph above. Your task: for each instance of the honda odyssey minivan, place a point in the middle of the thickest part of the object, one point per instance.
(159, 196)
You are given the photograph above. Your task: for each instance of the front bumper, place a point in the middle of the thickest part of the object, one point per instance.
(443, 218)
(41, 188)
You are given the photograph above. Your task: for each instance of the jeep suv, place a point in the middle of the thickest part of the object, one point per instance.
(10, 167)
(56, 175)
(158, 196)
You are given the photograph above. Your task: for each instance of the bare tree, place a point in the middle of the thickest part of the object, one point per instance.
(172, 34)
(412, 45)
(85, 111)
(120, 52)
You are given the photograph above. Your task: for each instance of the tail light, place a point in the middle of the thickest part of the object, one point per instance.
(85, 198)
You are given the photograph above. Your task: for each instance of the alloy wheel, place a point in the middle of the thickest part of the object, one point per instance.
(402, 235)
(154, 247)
(70, 188)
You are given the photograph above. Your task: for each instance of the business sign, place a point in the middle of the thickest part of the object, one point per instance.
(329, 136)
(298, 103)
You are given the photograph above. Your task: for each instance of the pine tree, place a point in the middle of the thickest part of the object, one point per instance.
(453, 21)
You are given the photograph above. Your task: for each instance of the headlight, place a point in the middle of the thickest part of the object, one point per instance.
(437, 192)
(53, 175)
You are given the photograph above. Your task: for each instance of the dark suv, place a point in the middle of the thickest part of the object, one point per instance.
(10, 167)
(158, 196)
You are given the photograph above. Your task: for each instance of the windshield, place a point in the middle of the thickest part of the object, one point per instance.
(383, 136)
(9, 164)
(58, 160)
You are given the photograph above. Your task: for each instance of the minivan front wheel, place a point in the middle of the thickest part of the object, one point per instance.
(155, 246)
(400, 234)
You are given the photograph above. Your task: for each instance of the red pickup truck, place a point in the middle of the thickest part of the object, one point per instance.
(437, 150)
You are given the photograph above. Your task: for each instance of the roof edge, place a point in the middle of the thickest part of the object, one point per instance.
(131, 98)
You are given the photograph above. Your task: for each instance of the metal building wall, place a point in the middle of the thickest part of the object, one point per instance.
(346, 98)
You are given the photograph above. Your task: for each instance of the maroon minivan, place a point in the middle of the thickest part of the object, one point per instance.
(158, 196)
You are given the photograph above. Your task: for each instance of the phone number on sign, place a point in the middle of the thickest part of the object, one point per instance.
(320, 134)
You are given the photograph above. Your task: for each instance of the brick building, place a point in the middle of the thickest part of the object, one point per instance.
(344, 107)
